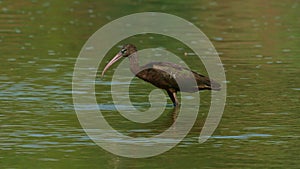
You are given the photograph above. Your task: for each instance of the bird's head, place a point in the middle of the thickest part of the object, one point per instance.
(126, 51)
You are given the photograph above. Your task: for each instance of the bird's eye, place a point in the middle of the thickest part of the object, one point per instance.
(123, 51)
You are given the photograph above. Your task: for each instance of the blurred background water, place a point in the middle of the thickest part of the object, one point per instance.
(258, 42)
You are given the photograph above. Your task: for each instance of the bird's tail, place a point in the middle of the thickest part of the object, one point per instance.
(209, 84)
(214, 85)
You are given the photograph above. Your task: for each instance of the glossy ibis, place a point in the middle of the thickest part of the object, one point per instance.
(156, 74)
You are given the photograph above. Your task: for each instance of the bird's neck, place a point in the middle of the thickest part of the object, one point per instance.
(134, 63)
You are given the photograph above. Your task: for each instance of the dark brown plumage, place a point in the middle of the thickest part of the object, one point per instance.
(165, 75)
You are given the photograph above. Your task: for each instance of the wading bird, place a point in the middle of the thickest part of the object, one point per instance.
(165, 75)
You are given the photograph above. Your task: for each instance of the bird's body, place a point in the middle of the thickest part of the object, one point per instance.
(165, 75)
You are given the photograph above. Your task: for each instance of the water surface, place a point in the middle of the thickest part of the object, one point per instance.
(258, 43)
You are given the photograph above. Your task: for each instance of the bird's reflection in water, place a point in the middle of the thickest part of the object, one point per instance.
(173, 113)
(165, 121)
(169, 117)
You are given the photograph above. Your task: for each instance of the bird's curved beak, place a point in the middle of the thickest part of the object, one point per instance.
(115, 59)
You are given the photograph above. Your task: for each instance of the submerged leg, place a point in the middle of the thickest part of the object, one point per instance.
(173, 97)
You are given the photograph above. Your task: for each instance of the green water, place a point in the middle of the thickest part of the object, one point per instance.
(258, 42)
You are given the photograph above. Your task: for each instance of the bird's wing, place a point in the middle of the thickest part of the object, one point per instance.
(172, 75)
(174, 70)
(169, 75)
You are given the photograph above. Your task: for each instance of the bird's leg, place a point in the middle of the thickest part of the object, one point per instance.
(173, 97)
(176, 101)
(175, 112)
